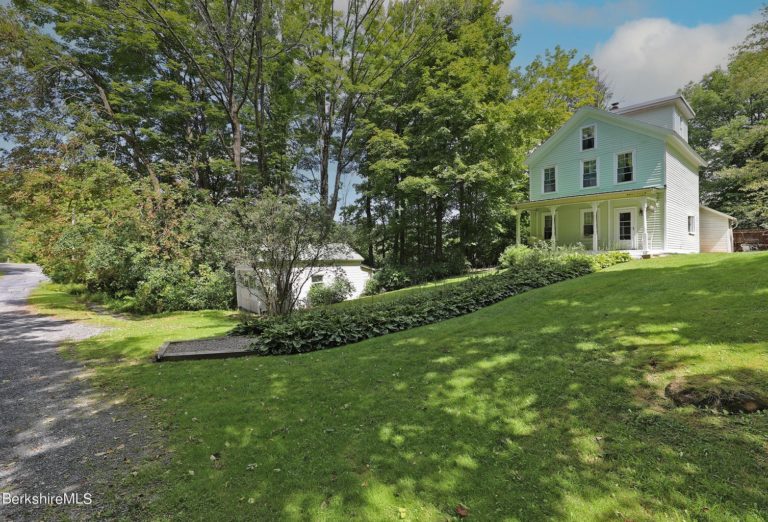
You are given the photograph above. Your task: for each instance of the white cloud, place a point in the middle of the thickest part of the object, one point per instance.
(653, 57)
(571, 13)
(512, 7)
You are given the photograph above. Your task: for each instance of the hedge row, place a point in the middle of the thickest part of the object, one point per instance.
(328, 327)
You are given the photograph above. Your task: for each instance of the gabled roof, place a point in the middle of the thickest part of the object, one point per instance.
(341, 252)
(668, 135)
(680, 102)
(331, 253)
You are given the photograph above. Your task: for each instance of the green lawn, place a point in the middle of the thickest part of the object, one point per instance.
(547, 405)
(396, 294)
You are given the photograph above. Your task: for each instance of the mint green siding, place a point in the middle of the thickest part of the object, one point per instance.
(569, 224)
(566, 156)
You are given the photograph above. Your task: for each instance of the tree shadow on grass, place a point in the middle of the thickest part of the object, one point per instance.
(544, 406)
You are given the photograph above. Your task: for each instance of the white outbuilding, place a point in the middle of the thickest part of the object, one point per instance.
(341, 259)
(716, 234)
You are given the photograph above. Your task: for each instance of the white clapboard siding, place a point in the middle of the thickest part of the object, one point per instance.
(682, 200)
(358, 275)
(716, 234)
(666, 116)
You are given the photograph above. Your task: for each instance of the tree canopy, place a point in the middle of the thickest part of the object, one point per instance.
(132, 121)
(731, 130)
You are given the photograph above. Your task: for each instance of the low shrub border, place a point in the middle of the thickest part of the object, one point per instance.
(328, 327)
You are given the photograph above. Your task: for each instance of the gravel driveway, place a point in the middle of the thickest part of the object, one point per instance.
(57, 435)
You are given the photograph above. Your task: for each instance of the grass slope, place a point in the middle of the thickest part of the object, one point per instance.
(397, 294)
(547, 405)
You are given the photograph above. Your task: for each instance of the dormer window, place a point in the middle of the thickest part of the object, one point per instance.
(588, 138)
(550, 180)
(625, 167)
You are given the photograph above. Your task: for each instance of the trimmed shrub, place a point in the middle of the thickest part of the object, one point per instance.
(327, 327)
(516, 256)
(606, 259)
(322, 294)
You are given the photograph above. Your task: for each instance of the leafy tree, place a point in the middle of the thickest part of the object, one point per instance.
(731, 131)
(278, 244)
(448, 140)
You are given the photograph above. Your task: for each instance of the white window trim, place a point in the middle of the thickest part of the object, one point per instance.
(581, 225)
(544, 224)
(616, 166)
(594, 135)
(688, 222)
(557, 179)
(581, 173)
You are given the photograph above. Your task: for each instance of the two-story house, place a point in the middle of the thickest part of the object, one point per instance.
(624, 179)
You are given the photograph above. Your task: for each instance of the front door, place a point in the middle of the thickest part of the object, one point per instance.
(624, 228)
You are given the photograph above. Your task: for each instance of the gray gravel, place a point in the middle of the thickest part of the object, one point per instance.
(57, 434)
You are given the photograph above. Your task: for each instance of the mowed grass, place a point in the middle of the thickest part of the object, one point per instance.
(128, 338)
(548, 405)
(394, 295)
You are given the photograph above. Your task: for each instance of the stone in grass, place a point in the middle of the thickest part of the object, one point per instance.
(713, 397)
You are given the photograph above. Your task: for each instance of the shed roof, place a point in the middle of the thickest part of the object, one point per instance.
(341, 252)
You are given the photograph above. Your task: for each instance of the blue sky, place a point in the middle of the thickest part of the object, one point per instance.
(646, 49)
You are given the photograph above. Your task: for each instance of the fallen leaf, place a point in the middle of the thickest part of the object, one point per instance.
(462, 511)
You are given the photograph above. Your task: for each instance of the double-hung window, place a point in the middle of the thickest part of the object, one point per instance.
(548, 226)
(587, 223)
(692, 225)
(625, 168)
(588, 173)
(550, 179)
(588, 138)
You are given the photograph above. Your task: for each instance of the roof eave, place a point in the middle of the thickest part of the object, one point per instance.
(685, 147)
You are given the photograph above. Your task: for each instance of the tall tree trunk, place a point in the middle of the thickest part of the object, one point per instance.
(237, 150)
(439, 211)
(369, 228)
(462, 219)
(260, 87)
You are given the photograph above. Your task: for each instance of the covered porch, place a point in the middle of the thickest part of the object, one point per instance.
(629, 220)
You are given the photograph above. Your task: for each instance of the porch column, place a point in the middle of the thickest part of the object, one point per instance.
(553, 210)
(594, 226)
(517, 227)
(645, 225)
